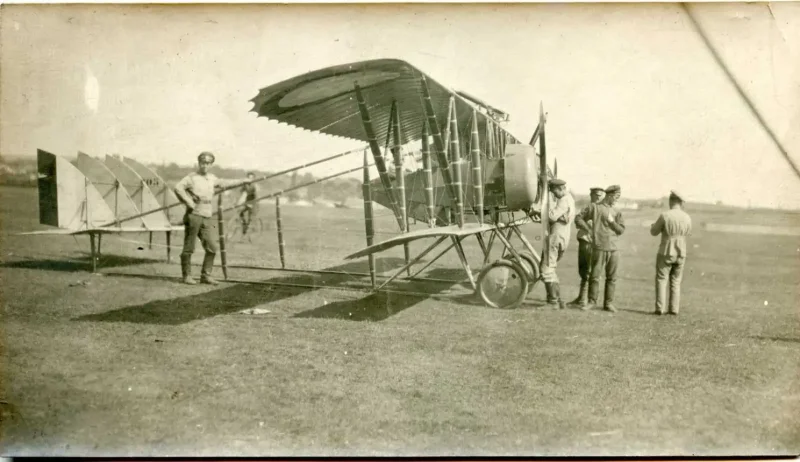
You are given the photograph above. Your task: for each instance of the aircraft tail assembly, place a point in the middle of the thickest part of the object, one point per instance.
(67, 199)
(95, 198)
(159, 188)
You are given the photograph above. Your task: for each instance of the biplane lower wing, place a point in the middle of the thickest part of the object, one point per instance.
(443, 231)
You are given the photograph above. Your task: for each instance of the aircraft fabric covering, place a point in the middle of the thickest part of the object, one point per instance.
(325, 101)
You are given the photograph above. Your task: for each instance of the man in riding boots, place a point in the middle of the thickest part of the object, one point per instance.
(561, 214)
(197, 191)
(607, 226)
(585, 250)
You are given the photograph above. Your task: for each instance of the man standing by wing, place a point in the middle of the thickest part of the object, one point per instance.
(561, 214)
(197, 191)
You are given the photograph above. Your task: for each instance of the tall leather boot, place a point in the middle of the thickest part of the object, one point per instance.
(208, 266)
(548, 286)
(594, 289)
(557, 296)
(608, 299)
(580, 300)
(186, 269)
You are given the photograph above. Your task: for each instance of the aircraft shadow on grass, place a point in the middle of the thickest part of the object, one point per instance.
(237, 297)
(78, 264)
(381, 305)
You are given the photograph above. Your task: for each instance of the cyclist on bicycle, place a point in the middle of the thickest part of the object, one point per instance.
(248, 198)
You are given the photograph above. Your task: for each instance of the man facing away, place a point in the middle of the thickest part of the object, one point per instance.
(248, 198)
(607, 226)
(196, 191)
(561, 214)
(585, 250)
(673, 226)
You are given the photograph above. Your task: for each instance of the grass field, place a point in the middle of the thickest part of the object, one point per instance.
(133, 363)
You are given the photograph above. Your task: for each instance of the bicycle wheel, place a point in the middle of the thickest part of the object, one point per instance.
(233, 228)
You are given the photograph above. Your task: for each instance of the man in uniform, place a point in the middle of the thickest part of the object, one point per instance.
(607, 226)
(673, 226)
(561, 214)
(196, 191)
(248, 198)
(585, 250)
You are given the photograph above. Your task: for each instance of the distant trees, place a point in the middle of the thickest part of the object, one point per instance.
(23, 172)
(336, 189)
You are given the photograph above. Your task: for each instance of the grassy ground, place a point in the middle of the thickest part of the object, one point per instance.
(132, 363)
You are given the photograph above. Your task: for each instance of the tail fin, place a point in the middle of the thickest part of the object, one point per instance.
(110, 188)
(139, 192)
(160, 189)
(67, 199)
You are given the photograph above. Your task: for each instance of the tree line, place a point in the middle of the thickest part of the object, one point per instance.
(22, 172)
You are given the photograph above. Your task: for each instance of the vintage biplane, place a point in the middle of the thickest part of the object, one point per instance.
(475, 173)
(92, 196)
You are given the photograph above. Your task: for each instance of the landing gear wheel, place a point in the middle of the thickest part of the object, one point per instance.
(530, 266)
(503, 284)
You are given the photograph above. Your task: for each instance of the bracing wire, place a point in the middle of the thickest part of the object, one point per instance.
(739, 89)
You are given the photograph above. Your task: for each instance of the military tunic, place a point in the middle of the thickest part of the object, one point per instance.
(197, 192)
(607, 225)
(673, 226)
(561, 215)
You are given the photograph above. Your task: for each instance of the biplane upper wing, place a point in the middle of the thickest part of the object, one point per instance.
(325, 100)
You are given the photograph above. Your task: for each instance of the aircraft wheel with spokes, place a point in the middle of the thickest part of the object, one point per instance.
(503, 284)
(530, 266)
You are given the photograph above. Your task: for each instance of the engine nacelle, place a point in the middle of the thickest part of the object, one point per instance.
(512, 182)
(521, 175)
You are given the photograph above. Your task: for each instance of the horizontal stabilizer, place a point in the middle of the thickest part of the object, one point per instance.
(97, 230)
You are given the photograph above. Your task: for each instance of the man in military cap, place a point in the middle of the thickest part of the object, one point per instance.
(607, 226)
(196, 191)
(561, 214)
(674, 226)
(585, 249)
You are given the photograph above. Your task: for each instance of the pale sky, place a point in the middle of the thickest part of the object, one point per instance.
(633, 96)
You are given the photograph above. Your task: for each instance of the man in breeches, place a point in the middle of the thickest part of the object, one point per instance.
(673, 226)
(560, 219)
(197, 191)
(607, 226)
(585, 251)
